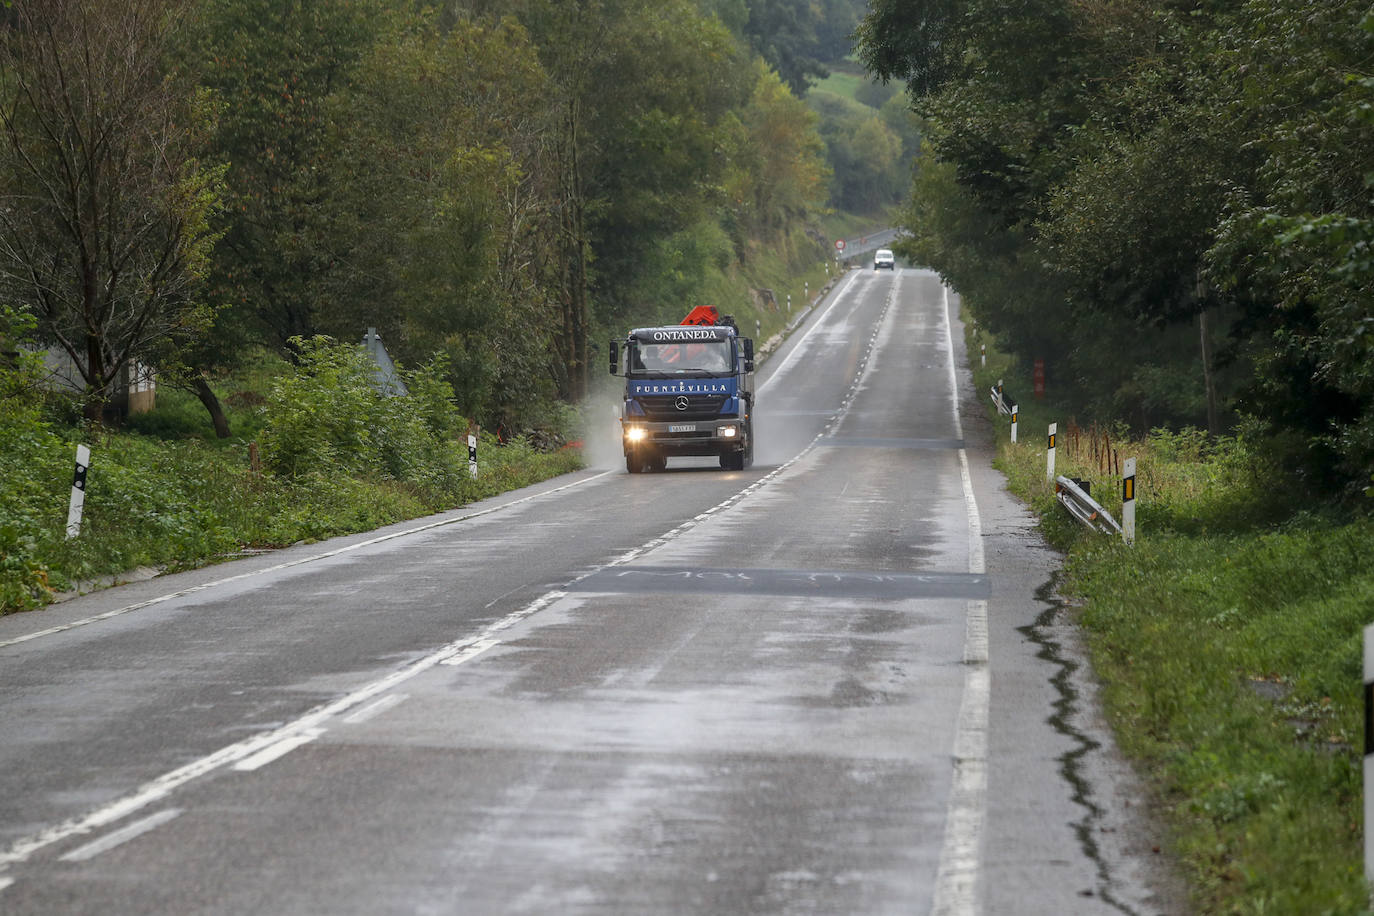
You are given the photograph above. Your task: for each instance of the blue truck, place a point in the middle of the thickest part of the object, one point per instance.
(689, 391)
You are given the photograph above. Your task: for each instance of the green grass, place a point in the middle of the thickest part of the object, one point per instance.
(842, 83)
(165, 493)
(1228, 641)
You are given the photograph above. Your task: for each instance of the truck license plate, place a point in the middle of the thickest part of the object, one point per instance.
(683, 428)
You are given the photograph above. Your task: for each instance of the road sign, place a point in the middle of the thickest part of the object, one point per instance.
(839, 244)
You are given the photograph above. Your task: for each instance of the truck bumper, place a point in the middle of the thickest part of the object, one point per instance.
(720, 436)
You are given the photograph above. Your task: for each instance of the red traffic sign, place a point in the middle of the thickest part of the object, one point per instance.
(839, 244)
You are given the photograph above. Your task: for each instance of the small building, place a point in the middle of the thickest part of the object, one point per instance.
(135, 390)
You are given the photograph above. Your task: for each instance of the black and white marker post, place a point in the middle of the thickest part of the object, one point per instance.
(472, 452)
(83, 462)
(1369, 754)
(1128, 501)
(1014, 409)
(1049, 455)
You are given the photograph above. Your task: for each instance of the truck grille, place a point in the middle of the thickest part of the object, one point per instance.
(663, 408)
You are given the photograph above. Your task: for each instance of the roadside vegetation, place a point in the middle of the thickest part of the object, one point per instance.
(317, 451)
(229, 193)
(1170, 205)
(502, 185)
(1229, 644)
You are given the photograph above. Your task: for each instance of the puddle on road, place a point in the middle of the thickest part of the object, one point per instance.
(1071, 764)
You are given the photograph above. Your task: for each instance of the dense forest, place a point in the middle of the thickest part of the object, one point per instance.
(187, 183)
(1170, 204)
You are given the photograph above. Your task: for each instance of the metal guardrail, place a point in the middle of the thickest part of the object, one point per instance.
(1075, 497)
(1002, 402)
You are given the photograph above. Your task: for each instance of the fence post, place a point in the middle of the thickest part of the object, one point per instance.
(1014, 408)
(83, 463)
(1049, 455)
(1128, 502)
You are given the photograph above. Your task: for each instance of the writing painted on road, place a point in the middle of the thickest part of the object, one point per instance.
(820, 583)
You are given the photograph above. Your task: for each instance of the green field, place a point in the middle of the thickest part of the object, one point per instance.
(842, 83)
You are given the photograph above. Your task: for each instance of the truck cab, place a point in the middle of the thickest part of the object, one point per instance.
(689, 390)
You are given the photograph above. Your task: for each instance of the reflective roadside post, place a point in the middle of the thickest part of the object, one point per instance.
(1128, 502)
(83, 463)
(1014, 409)
(1049, 456)
(1369, 753)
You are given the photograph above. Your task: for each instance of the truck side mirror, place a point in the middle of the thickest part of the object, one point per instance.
(615, 357)
(748, 354)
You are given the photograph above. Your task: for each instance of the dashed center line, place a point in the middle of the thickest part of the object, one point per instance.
(121, 836)
(265, 756)
(262, 749)
(376, 709)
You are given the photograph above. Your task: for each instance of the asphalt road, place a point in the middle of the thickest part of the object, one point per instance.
(836, 682)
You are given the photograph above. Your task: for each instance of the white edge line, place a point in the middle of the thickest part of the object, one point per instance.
(5, 882)
(52, 631)
(958, 878)
(792, 354)
(467, 647)
(121, 836)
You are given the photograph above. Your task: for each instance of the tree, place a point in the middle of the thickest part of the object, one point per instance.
(778, 170)
(277, 66)
(642, 92)
(105, 203)
(866, 156)
(1293, 245)
(785, 33)
(451, 210)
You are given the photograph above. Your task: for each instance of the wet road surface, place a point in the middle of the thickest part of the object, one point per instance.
(837, 682)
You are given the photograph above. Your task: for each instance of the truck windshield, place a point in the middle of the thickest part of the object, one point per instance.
(710, 356)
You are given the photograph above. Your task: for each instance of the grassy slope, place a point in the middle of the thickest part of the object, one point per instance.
(1229, 643)
(185, 503)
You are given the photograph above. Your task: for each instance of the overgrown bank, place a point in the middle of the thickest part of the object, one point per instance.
(1228, 641)
(320, 453)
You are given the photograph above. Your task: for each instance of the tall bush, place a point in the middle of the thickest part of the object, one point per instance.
(328, 416)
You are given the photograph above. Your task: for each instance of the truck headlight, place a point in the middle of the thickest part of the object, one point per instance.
(634, 433)
(729, 432)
